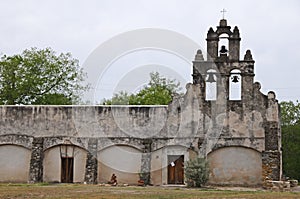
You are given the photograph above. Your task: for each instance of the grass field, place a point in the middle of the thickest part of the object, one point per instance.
(96, 191)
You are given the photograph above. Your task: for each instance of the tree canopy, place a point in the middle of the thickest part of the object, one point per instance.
(290, 113)
(290, 125)
(158, 91)
(40, 76)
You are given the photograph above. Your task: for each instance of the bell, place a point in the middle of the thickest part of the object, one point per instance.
(210, 78)
(235, 79)
(223, 50)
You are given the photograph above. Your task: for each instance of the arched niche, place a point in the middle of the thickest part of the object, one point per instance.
(223, 44)
(162, 172)
(235, 85)
(64, 163)
(122, 160)
(235, 165)
(211, 85)
(14, 163)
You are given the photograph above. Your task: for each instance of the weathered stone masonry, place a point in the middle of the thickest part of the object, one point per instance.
(91, 161)
(241, 138)
(36, 161)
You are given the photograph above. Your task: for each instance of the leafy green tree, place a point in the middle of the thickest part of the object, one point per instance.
(54, 99)
(158, 91)
(290, 113)
(196, 172)
(121, 98)
(40, 77)
(290, 125)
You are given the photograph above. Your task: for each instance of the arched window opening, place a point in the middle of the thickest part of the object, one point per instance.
(235, 85)
(211, 85)
(223, 44)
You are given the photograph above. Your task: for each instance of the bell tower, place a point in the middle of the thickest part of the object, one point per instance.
(223, 64)
(223, 32)
(228, 96)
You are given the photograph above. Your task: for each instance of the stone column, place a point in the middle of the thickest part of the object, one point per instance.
(271, 157)
(91, 168)
(146, 162)
(271, 165)
(36, 161)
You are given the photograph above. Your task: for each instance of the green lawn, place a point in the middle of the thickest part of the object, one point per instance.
(96, 191)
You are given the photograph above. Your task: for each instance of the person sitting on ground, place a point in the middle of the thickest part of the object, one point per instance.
(113, 180)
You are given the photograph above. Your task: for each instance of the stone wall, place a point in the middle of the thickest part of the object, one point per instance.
(82, 121)
(191, 122)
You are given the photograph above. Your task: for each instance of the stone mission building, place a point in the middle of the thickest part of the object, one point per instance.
(223, 116)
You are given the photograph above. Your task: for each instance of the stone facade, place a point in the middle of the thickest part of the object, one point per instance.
(89, 143)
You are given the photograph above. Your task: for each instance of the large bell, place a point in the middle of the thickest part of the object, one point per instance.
(223, 50)
(235, 79)
(210, 78)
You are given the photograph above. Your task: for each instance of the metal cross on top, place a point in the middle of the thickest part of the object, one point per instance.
(223, 11)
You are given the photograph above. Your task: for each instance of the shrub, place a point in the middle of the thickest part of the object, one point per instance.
(196, 172)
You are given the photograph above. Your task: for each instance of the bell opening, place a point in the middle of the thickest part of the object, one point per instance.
(235, 85)
(211, 85)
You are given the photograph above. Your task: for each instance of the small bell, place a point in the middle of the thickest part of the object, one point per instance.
(235, 79)
(223, 50)
(210, 78)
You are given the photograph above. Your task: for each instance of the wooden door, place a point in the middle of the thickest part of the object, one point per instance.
(67, 169)
(175, 169)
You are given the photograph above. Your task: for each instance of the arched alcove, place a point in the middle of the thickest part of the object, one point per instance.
(235, 165)
(223, 43)
(15, 163)
(211, 85)
(167, 164)
(235, 85)
(122, 160)
(64, 163)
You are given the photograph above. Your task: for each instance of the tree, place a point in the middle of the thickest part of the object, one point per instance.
(121, 98)
(196, 172)
(290, 125)
(158, 91)
(290, 113)
(40, 76)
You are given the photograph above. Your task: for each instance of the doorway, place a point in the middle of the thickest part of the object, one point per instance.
(175, 169)
(67, 165)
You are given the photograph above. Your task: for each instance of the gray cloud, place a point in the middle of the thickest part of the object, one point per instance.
(269, 28)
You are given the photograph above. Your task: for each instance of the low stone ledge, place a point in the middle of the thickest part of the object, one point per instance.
(293, 183)
(277, 185)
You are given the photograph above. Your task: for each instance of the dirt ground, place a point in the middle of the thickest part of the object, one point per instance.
(9, 191)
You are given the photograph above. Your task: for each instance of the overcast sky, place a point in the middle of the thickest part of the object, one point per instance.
(269, 28)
